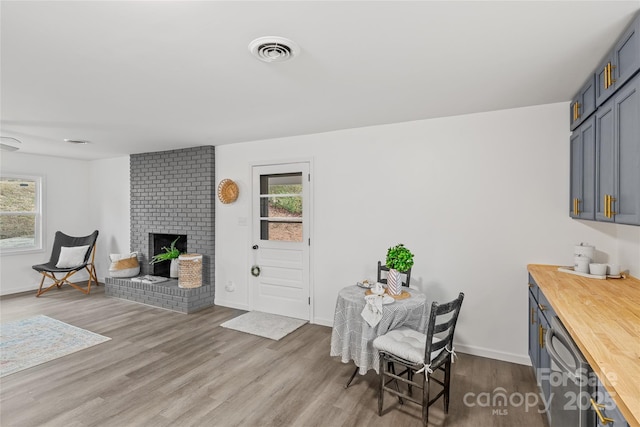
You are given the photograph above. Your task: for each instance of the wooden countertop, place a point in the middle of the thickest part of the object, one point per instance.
(603, 317)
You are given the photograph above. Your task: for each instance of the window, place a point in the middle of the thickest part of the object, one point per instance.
(281, 207)
(20, 213)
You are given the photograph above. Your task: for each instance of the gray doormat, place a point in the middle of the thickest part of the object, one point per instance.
(265, 325)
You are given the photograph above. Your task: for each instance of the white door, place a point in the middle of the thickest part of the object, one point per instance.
(281, 239)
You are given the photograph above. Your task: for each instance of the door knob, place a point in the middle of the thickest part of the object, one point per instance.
(255, 247)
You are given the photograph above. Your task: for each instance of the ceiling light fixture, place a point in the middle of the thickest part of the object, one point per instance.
(274, 49)
(76, 141)
(7, 147)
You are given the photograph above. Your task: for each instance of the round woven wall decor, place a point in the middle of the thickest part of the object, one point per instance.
(227, 191)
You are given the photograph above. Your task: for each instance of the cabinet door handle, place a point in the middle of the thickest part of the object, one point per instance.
(596, 407)
(608, 206)
(607, 76)
(540, 336)
(577, 110)
(533, 321)
(611, 79)
(542, 307)
(611, 211)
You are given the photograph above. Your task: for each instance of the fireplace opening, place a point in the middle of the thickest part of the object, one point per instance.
(157, 241)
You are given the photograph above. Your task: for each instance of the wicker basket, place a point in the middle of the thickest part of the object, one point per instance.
(227, 191)
(190, 275)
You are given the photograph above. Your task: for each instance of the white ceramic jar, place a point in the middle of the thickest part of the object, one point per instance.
(581, 264)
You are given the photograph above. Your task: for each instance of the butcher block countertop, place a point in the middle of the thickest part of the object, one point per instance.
(603, 317)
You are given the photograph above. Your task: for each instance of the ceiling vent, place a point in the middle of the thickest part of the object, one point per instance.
(10, 147)
(273, 49)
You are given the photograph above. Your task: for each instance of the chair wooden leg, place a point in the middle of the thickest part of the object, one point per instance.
(52, 276)
(447, 382)
(352, 377)
(425, 399)
(92, 276)
(40, 287)
(392, 369)
(381, 385)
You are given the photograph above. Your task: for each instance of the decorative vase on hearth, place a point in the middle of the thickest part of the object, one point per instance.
(174, 268)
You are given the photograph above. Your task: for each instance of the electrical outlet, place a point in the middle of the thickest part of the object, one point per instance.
(230, 286)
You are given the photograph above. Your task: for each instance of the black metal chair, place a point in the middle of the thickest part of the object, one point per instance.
(419, 354)
(85, 261)
(383, 269)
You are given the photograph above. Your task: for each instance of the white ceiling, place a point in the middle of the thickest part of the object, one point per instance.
(145, 76)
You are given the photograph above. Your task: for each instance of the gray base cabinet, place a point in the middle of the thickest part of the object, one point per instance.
(540, 314)
(539, 317)
(606, 410)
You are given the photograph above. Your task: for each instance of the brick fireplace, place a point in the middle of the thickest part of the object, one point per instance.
(172, 193)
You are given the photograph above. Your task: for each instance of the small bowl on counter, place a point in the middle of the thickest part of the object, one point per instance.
(598, 269)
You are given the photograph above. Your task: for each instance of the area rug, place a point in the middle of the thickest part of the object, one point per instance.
(36, 340)
(265, 325)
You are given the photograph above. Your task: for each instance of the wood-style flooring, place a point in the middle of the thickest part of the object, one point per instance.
(162, 368)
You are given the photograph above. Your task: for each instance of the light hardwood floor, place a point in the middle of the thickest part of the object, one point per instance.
(169, 369)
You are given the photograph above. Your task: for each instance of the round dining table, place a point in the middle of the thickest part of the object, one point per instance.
(352, 337)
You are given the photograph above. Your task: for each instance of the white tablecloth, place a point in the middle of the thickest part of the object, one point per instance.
(352, 337)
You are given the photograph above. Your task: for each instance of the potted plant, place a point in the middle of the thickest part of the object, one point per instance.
(169, 254)
(399, 259)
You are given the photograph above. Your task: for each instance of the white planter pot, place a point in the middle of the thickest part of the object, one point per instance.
(173, 268)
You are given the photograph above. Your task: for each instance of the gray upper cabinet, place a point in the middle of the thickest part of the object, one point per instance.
(604, 160)
(583, 166)
(605, 144)
(618, 156)
(584, 103)
(620, 65)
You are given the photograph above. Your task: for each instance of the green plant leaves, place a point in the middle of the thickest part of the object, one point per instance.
(399, 258)
(169, 254)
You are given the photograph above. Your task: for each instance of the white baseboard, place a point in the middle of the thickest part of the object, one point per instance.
(323, 322)
(467, 349)
(230, 304)
(493, 354)
(81, 276)
(17, 290)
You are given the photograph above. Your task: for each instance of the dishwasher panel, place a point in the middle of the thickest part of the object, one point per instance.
(572, 381)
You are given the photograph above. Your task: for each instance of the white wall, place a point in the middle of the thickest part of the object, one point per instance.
(475, 197)
(66, 208)
(478, 197)
(110, 201)
(79, 196)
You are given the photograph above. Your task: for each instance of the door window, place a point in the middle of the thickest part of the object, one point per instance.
(281, 207)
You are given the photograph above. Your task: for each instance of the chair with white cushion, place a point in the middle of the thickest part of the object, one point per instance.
(68, 256)
(420, 355)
